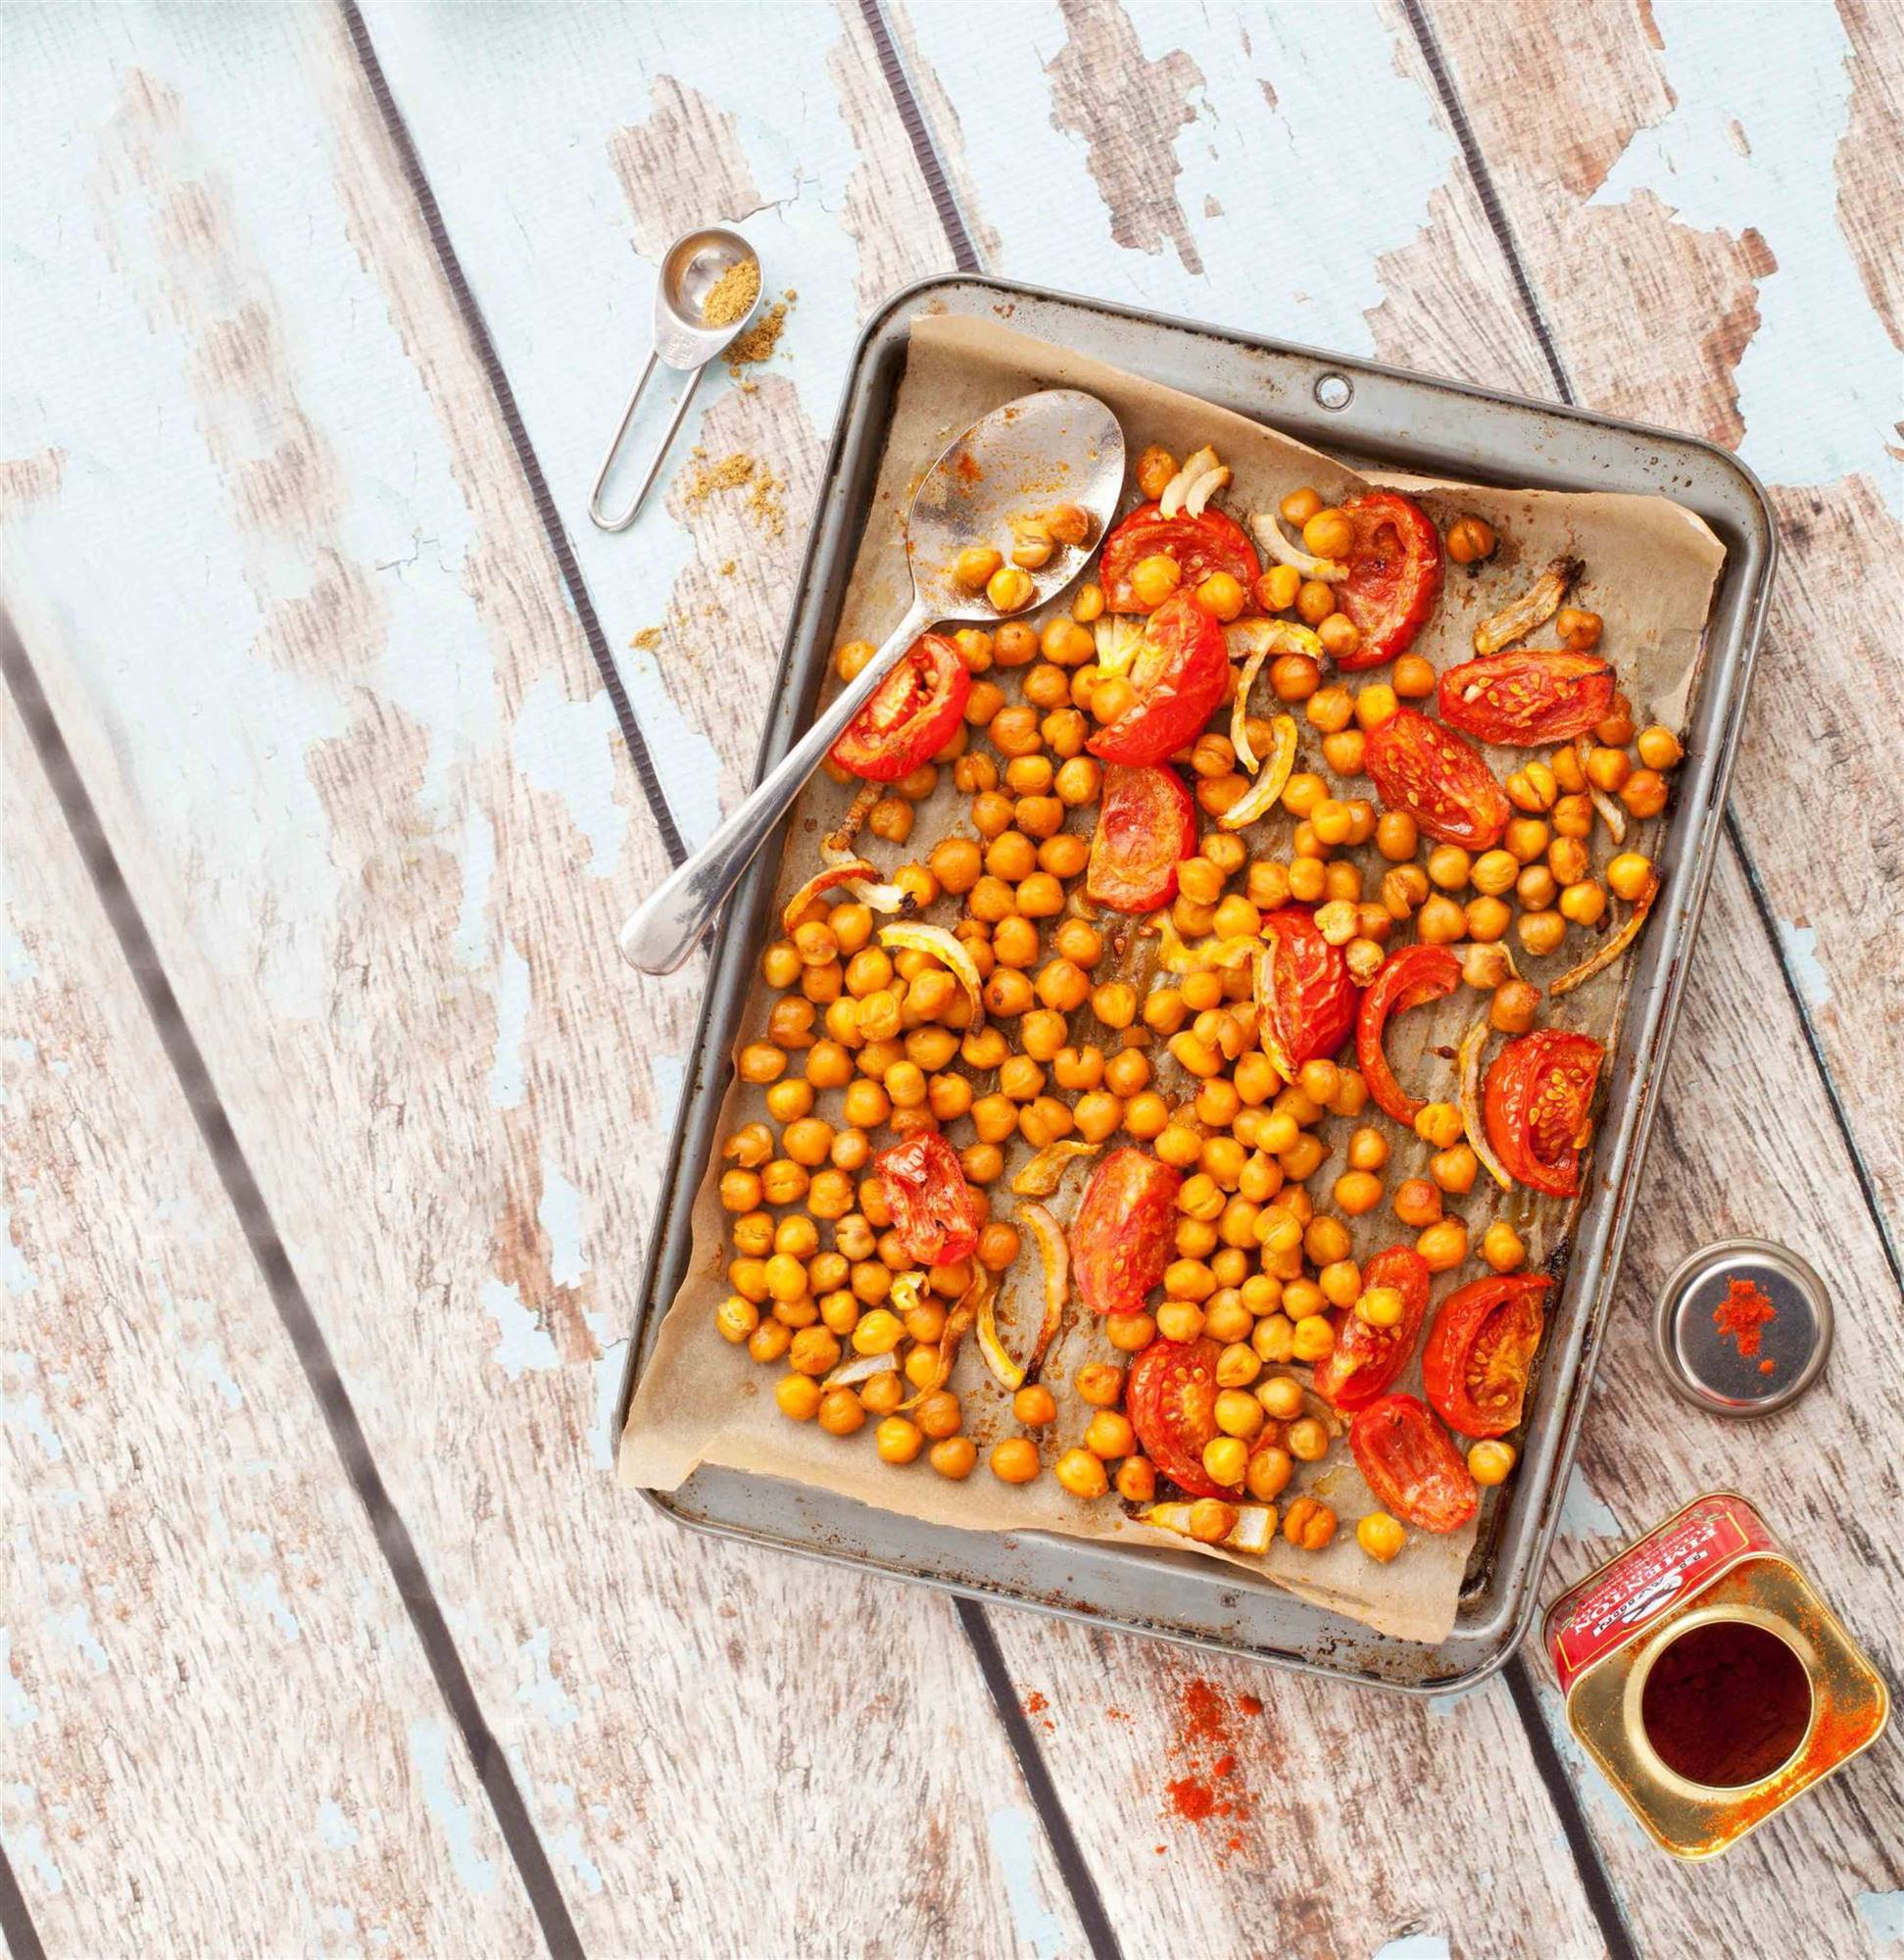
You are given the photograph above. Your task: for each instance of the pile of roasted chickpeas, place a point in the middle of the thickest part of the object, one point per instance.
(1085, 1038)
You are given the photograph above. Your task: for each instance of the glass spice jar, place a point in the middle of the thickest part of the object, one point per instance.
(1707, 1679)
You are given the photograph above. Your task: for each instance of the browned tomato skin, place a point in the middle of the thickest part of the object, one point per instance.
(1496, 1322)
(1436, 777)
(1365, 1361)
(912, 714)
(935, 1210)
(1147, 825)
(1534, 1104)
(1407, 1461)
(1409, 978)
(1528, 696)
(1395, 577)
(1314, 1002)
(1122, 1236)
(1180, 677)
(1200, 545)
(1171, 1401)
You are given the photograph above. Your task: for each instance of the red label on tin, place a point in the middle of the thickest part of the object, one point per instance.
(1662, 1569)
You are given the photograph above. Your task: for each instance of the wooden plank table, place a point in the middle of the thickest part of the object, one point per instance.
(334, 1123)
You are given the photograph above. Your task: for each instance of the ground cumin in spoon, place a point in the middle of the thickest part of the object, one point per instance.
(731, 297)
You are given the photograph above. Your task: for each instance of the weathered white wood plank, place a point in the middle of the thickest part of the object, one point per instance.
(348, 743)
(1694, 210)
(566, 149)
(214, 1716)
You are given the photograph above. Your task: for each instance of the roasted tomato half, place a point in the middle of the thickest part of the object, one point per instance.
(1535, 1106)
(1406, 1459)
(1307, 1007)
(1438, 779)
(1410, 978)
(1171, 1401)
(913, 714)
(1527, 696)
(1366, 1359)
(1122, 1237)
(1180, 674)
(935, 1212)
(1480, 1349)
(1201, 545)
(1395, 577)
(1146, 824)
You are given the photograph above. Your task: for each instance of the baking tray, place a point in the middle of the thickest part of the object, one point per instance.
(1370, 415)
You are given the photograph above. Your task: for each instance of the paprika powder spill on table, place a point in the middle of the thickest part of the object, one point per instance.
(1741, 1317)
(1707, 1679)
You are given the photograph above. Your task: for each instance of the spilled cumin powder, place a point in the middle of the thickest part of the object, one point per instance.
(761, 339)
(739, 471)
(647, 640)
(731, 297)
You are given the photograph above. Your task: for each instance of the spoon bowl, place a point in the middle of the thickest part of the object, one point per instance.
(1059, 446)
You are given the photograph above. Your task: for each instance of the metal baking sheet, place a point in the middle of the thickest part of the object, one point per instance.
(1366, 415)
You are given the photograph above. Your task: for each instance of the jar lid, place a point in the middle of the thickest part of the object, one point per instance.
(1743, 1327)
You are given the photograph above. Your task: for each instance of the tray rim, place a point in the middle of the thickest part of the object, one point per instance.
(1758, 567)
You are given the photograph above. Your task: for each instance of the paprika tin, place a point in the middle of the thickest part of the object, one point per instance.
(1707, 1679)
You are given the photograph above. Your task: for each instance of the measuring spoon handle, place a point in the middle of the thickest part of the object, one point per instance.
(662, 934)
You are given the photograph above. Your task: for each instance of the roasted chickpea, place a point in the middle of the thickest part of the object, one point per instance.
(1009, 589)
(1294, 677)
(1644, 792)
(1583, 904)
(1277, 588)
(1455, 1170)
(798, 1397)
(1015, 1460)
(1154, 578)
(1417, 1203)
(1608, 770)
(1225, 1459)
(1501, 1248)
(1211, 1520)
(1314, 602)
(842, 1412)
(1156, 468)
(1541, 933)
(1080, 1473)
(1130, 1333)
(1299, 506)
(1312, 1339)
(974, 566)
(954, 1457)
(1471, 540)
(1221, 596)
(1380, 1536)
(1533, 787)
(1308, 1524)
(1340, 636)
(1513, 1006)
(1444, 1245)
(1628, 875)
(1328, 533)
(1412, 677)
(1489, 1461)
(1659, 748)
(1579, 630)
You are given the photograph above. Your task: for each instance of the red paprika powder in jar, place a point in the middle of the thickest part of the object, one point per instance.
(1708, 1679)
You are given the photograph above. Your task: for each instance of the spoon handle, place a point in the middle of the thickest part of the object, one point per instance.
(660, 935)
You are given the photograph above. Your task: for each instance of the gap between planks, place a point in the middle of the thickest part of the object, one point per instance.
(300, 1323)
(971, 1615)
(1483, 179)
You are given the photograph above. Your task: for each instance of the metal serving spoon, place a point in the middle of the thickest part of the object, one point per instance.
(1058, 446)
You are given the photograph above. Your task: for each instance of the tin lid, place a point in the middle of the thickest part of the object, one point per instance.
(1743, 1327)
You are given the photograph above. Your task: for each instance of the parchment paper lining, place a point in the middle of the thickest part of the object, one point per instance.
(1651, 569)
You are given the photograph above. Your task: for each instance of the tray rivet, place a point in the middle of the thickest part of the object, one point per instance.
(1335, 391)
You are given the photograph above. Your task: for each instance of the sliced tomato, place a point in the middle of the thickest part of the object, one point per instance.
(1395, 577)
(1122, 1236)
(1311, 1003)
(1528, 696)
(1171, 1401)
(935, 1212)
(1200, 545)
(1410, 978)
(1406, 1459)
(912, 714)
(1479, 1351)
(1534, 1104)
(1180, 673)
(1146, 824)
(1439, 780)
(1366, 1359)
